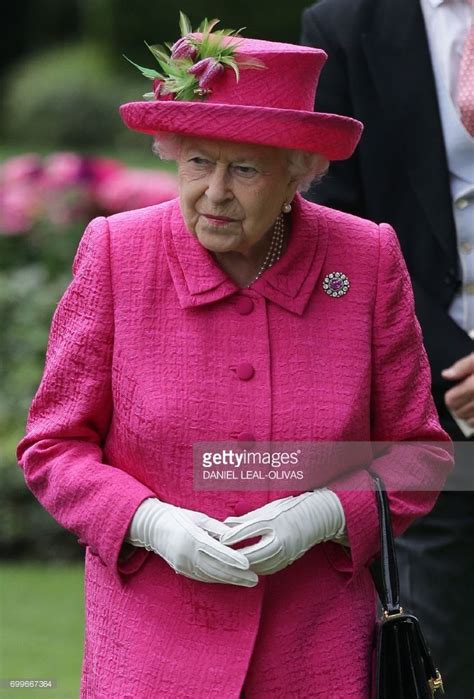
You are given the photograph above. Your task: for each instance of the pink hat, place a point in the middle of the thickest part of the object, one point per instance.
(271, 102)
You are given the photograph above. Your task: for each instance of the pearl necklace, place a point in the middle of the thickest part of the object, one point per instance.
(274, 251)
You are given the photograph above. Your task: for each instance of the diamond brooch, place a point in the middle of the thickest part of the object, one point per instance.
(336, 284)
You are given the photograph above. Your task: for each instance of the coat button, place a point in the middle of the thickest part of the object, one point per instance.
(245, 371)
(466, 247)
(244, 305)
(246, 437)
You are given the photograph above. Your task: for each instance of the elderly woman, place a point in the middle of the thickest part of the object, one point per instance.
(238, 312)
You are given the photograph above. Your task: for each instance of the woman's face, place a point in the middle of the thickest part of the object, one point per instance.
(231, 193)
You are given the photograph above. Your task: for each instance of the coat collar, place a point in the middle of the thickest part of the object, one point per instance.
(199, 280)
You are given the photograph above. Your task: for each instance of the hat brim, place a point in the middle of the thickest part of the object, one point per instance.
(332, 135)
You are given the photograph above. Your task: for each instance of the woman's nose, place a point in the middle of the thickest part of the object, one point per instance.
(218, 188)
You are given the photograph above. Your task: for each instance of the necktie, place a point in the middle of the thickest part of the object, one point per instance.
(466, 82)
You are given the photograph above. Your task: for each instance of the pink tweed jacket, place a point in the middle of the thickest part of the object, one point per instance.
(143, 361)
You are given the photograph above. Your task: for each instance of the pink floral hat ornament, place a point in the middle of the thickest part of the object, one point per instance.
(217, 84)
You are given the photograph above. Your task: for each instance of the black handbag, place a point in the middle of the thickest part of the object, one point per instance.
(403, 666)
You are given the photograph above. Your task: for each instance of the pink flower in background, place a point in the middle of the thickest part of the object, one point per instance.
(19, 197)
(134, 189)
(62, 169)
(22, 168)
(99, 169)
(67, 206)
(65, 188)
(19, 206)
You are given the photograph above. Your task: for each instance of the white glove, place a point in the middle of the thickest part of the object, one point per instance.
(288, 527)
(182, 538)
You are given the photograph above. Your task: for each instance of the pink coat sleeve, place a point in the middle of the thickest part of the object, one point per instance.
(61, 453)
(402, 412)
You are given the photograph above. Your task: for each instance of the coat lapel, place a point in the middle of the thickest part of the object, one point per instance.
(199, 280)
(291, 281)
(398, 56)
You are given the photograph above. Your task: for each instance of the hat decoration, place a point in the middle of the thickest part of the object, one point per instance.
(190, 66)
(202, 88)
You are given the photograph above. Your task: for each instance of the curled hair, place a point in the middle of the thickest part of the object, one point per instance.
(306, 167)
(303, 167)
(167, 146)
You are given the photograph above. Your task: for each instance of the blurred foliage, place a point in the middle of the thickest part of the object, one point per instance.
(35, 268)
(120, 26)
(127, 25)
(34, 272)
(64, 75)
(34, 25)
(69, 98)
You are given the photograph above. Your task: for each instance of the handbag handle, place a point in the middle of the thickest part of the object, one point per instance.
(385, 570)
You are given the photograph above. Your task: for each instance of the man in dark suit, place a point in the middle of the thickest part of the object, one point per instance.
(380, 70)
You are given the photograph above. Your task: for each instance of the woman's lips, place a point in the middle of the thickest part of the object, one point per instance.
(218, 220)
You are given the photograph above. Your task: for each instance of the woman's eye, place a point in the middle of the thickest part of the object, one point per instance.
(245, 170)
(199, 161)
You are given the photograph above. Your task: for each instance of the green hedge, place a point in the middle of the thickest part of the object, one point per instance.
(68, 98)
(34, 272)
(35, 269)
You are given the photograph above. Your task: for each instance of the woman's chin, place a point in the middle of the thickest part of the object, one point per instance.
(217, 241)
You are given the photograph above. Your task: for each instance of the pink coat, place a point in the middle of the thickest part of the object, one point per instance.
(141, 364)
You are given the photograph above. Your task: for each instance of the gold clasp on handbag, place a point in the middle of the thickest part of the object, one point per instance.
(436, 683)
(386, 615)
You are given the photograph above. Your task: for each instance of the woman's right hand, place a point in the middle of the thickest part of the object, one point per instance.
(184, 539)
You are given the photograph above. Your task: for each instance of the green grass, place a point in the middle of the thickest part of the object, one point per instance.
(42, 627)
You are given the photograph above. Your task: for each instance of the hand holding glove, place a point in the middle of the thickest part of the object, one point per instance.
(184, 538)
(288, 527)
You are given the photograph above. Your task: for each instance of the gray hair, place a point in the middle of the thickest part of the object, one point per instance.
(303, 167)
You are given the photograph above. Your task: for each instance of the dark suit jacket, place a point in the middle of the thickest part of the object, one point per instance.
(379, 71)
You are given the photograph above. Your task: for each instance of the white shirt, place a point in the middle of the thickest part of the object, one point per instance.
(447, 24)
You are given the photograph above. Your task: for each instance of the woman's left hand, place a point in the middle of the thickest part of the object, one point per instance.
(460, 399)
(288, 527)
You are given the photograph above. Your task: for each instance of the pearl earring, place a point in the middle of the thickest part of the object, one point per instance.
(286, 208)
